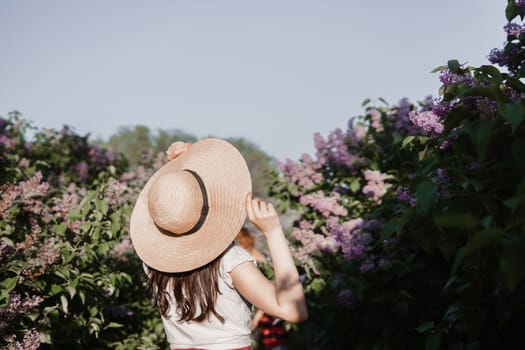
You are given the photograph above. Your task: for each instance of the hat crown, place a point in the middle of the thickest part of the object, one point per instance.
(175, 202)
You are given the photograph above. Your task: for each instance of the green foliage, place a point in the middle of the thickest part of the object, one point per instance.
(138, 142)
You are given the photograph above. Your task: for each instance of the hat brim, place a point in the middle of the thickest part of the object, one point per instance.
(227, 180)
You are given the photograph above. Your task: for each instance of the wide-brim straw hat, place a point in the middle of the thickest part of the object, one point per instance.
(191, 209)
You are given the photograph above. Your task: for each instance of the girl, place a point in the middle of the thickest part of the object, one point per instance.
(182, 227)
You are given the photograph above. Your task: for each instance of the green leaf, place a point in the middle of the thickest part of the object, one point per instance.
(55, 289)
(354, 185)
(425, 194)
(511, 11)
(74, 214)
(516, 84)
(406, 217)
(425, 326)
(113, 325)
(513, 113)
(438, 69)
(71, 290)
(491, 92)
(454, 66)
(421, 154)
(45, 336)
(102, 205)
(389, 228)
(493, 72)
(60, 229)
(9, 284)
(433, 342)
(64, 302)
(317, 285)
(481, 133)
(517, 153)
(365, 102)
(407, 141)
(383, 101)
(512, 263)
(456, 220)
(482, 239)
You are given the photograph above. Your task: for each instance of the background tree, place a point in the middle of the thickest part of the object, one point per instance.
(139, 142)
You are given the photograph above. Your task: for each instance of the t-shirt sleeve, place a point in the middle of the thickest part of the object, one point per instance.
(231, 259)
(146, 269)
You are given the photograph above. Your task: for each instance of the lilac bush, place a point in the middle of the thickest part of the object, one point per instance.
(68, 275)
(410, 230)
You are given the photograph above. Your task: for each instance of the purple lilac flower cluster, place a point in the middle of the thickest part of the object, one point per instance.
(428, 121)
(336, 148)
(120, 311)
(346, 299)
(446, 77)
(353, 241)
(441, 108)
(404, 195)
(508, 56)
(400, 121)
(514, 29)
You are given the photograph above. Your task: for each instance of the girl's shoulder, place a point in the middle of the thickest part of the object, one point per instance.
(234, 256)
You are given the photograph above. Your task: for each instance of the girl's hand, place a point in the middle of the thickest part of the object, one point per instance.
(262, 215)
(176, 149)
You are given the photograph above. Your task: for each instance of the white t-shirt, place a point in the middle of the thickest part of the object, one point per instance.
(212, 334)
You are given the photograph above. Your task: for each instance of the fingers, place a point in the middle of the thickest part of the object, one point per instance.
(271, 209)
(177, 148)
(256, 208)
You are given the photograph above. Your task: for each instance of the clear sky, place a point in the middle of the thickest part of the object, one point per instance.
(273, 71)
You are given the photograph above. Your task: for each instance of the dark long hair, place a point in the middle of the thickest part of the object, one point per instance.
(193, 291)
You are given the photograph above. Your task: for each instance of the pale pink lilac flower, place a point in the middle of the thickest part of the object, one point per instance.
(326, 205)
(122, 249)
(23, 163)
(31, 341)
(7, 142)
(304, 173)
(26, 192)
(375, 116)
(376, 186)
(18, 306)
(82, 171)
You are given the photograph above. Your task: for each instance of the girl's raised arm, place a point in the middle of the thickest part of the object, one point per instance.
(285, 299)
